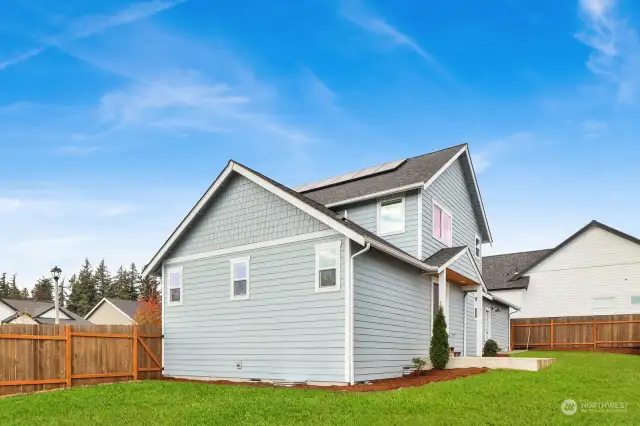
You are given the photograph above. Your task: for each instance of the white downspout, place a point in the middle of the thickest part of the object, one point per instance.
(366, 248)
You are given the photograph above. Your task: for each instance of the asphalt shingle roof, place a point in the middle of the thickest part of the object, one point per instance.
(129, 307)
(499, 270)
(414, 170)
(35, 308)
(442, 256)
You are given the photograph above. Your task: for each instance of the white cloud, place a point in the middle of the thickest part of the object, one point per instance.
(9, 204)
(593, 128)
(495, 149)
(355, 12)
(616, 47)
(94, 24)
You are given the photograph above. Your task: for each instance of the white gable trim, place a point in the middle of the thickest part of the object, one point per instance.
(452, 260)
(472, 259)
(377, 194)
(100, 303)
(475, 183)
(235, 167)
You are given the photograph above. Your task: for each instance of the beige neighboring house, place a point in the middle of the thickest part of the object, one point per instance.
(113, 312)
(17, 311)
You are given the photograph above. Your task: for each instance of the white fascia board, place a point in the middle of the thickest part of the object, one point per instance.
(452, 260)
(177, 233)
(475, 183)
(378, 194)
(402, 256)
(322, 217)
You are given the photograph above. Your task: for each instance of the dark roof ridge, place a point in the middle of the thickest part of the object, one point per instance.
(516, 252)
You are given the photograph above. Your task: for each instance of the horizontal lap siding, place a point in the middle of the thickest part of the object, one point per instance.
(499, 324)
(464, 266)
(244, 213)
(451, 191)
(285, 331)
(365, 214)
(392, 305)
(472, 326)
(456, 317)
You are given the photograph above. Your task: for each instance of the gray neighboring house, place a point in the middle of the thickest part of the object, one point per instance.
(18, 311)
(110, 311)
(332, 282)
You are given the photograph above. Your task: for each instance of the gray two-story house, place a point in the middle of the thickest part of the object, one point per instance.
(335, 281)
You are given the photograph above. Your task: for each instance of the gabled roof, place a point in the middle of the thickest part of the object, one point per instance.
(127, 307)
(593, 223)
(36, 308)
(309, 206)
(443, 256)
(500, 271)
(414, 173)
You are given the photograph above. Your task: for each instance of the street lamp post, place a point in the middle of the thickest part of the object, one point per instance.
(55, 273)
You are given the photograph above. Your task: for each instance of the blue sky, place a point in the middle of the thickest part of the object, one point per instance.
(115, 116)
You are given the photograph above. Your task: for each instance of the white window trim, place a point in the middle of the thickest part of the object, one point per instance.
(487, 312)
(477, 238)
(173, 270)
(475, 307)
(235, 261)
(447, 211)
(402, 199)
(323, 246)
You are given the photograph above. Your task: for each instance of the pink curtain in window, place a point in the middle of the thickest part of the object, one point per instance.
(446, 228)
(437, 222)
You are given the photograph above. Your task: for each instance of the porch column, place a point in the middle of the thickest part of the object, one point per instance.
(443, 293)
(480, 321)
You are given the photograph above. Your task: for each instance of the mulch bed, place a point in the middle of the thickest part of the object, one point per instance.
(430, 376)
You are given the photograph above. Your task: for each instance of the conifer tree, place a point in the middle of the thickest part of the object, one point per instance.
(119, 284)
(14, 291)
(62, 293)
(83, 295)
(43, 290)
(149, 288)
(439, 350)
(24, 294)
(73, 302)
(4, 285)
(103, 281)
(133, 283)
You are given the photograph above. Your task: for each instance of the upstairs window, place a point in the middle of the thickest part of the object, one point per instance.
(175, 286)
(602, 303)
(328, 266)
(240, 278)
(391, 216)
(478, 247)
(442, 224)
(635, 300)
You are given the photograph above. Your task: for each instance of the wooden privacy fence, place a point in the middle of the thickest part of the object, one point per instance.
(610, 331)
(45, 357)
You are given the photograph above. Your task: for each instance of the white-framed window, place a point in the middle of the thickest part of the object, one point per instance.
(635, 300)
(240, 278)
(475, 307)
(328, 266)
(442, 224)
(602, 302)
(391, 216)
(478, 247)
(174, 286)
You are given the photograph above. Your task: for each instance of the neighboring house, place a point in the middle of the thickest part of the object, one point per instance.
(113, 311)
(596, 271)
(15, 311)
(333, 282)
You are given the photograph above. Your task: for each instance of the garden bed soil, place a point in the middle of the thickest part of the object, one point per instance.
(429, 376)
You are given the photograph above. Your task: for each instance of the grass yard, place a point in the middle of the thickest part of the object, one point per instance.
(496, 398)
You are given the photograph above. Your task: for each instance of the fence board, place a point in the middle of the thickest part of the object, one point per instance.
(43, 357)
(602, 331)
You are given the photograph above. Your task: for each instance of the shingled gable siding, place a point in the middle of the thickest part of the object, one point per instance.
(392, 316)
(365, 214)
(244, 213)
(451, 191)
(285, 331)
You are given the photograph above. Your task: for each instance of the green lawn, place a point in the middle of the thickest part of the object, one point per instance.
(497, 398)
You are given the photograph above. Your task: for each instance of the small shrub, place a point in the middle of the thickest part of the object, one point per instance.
(491, 348)
(439, 351)
(419, 365)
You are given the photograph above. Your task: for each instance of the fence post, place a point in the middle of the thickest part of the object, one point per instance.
(135, 352)
(552, 333)
(513, 334)
(67, 355)
(595, 333)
